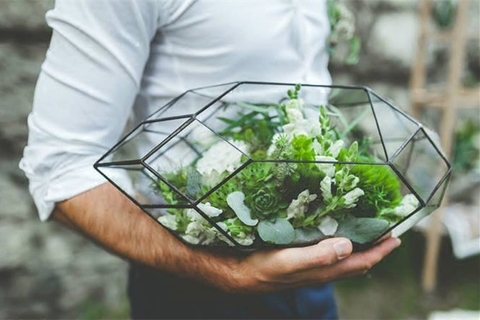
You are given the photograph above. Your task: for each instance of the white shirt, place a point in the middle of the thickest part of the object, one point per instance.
(112, 60)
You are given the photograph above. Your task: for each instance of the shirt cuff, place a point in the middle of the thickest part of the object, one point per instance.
(46, 192)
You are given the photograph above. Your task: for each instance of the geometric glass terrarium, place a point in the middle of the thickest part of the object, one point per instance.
(253, 165)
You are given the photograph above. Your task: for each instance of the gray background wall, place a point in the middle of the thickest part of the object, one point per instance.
(47, 271)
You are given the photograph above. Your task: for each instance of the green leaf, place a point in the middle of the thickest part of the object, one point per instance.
(194, 183)
(278, 232)
(308, 220)
(307, 235)
(235, 201)
(252, 107)
(355, 45)
(361, 230)
(237, 123)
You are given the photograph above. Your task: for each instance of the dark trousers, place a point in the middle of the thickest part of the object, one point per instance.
(156, 295)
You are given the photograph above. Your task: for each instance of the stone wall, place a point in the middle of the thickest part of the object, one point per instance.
(47, 271)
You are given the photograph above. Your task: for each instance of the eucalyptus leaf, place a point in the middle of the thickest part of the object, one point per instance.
(307, 235)
(235, 201)
(361, 230)
(279, 231)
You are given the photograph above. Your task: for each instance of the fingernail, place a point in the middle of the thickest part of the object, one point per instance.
(398, 242)
(342, 248)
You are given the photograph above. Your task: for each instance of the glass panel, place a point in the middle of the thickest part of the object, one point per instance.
(124, 150)
(182, 106)
(140, 184)
(123, 177)
(395, 127)
(411, 221)
(422, 165)
(437, 198)
(195, 159)
(216, 91)
(348, 96)
(352, 116)
(142, 139)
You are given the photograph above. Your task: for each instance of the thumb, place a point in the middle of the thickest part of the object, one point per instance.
(335, 249)
(324, 253)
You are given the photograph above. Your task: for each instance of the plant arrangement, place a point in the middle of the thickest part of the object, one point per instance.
(308, 182)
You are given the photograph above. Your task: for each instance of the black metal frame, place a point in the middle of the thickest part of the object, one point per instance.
(145, 168)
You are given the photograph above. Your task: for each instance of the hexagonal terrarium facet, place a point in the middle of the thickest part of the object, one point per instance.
(253, 165)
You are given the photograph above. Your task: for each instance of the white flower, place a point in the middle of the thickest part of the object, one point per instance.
(211, 178)
(317, 147)
(408, 204)
(326, 187)
(328, 226)
(191, 239)
(346, 181)
(293, 129)
(300, 126)
(294, 115)
(294, 104)
(195, 216)
(209, 210)
(242, 238)
(352, 196)
(335, 148)
(272, 147)
(169, 221)
(203, 136)
(221, 236)
(297, 124)
(197, 232)
(221, 157)
(313, 127)
(327, 168)
(299, 206)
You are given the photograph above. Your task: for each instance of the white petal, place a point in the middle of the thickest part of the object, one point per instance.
(352, 196)
(326, 187)
(328, 226)
(209, 210)
(169, 221)
(336, 148)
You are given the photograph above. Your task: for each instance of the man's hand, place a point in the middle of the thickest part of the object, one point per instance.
(111, 220)
(329, 260)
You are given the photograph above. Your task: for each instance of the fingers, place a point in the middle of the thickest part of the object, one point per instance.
(361, 262)
(354, 265)
(333, 259)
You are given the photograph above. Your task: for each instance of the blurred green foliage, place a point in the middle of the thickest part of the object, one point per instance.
(443, 12)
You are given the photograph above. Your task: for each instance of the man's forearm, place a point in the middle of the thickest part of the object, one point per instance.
(113, 221)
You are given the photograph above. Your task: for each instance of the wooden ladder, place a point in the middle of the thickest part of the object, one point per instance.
(448, 98)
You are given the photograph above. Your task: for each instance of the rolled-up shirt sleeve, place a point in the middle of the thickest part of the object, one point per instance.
(84, 93)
